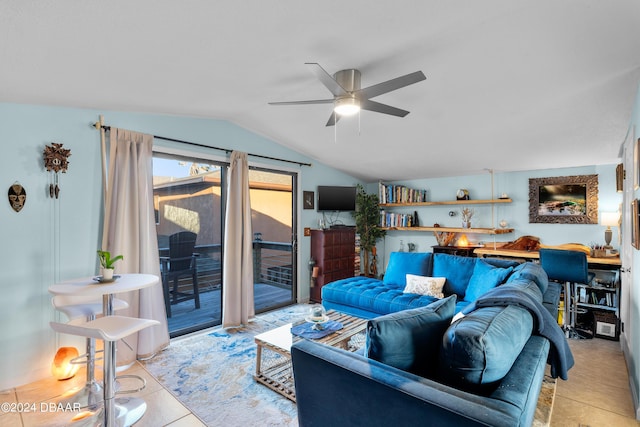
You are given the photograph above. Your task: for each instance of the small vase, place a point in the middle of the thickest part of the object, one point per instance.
(466, 224)
(107, 273)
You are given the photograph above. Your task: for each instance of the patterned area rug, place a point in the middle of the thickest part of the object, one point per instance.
(212, 374)
(542, 417)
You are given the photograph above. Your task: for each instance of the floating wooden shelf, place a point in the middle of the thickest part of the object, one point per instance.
(448, 202)
(454, 230)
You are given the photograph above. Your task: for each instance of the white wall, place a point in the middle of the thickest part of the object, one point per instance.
(630, 339)
(516, 186)
(53, 240)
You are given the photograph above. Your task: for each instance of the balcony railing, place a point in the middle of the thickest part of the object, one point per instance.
(272, 265)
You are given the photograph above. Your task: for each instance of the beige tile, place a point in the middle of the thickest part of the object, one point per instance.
(48, 414)
(128, 383)
(188, 421)
(8, 396)
(597, 392)
(50, 388)
(567, 412)
(10, 419)
(162, 409)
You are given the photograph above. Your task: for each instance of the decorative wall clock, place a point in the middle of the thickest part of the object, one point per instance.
(56, 160)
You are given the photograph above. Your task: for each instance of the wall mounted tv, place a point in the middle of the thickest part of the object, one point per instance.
(333, 198)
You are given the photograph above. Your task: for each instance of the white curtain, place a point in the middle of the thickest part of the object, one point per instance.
(237, 280)
(129, 229)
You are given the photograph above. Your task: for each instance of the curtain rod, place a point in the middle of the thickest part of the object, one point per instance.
(99, 126)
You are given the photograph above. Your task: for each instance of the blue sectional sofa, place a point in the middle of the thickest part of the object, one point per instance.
(422, 367)
(368, 297)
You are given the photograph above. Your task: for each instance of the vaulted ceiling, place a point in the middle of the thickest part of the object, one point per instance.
(511, 84)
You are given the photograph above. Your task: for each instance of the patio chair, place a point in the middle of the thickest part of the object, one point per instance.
(180, 262)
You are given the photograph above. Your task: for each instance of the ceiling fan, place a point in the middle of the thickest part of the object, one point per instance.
(349, 98)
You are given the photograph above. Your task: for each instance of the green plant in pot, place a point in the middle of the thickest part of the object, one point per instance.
(367, 217)
(107, 262)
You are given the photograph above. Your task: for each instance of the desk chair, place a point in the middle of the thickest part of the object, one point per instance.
(180, 262)
(570, 268)
(78, 308)
(111, 329)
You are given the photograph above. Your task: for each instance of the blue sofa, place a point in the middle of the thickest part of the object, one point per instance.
(367, 297)
(419, 367)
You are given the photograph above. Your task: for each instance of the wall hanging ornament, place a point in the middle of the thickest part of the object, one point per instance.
(56, 160)
(17, 196)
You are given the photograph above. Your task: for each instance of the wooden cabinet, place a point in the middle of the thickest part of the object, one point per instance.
(334, 252)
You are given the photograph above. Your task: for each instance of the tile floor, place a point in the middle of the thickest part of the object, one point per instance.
(596, 394)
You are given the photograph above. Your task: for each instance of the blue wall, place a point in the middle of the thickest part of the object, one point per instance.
(516, 186)
(52, 240)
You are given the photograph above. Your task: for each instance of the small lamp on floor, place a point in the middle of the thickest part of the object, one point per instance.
(62, 367)
(609, 219)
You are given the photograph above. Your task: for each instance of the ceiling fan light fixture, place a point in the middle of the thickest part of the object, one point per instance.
(346, 106)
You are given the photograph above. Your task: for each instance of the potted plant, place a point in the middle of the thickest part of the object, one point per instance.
(367, 217)
(106, 261)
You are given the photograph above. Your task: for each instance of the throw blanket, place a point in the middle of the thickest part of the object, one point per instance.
(560, 356)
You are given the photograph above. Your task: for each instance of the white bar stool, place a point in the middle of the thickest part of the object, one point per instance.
(111, 329)
(87, 309)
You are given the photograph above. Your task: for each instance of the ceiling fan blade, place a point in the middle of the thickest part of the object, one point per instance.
(367, 104)
(313, 101)
(326, 79)
(333, 119)
(391, 85)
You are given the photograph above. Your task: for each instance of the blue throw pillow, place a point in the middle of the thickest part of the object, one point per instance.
(533, 272)
(457, 270)
(403, 263)
(410, 339)
(484, 278)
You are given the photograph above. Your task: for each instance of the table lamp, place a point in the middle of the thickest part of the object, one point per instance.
(609, 219)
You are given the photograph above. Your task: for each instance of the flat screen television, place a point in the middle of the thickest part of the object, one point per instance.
(334, 198)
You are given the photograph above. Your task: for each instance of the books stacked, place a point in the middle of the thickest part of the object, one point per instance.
(400, 194)
(393, 219)
(597, 297)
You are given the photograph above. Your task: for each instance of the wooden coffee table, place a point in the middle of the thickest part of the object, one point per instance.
(273, 354)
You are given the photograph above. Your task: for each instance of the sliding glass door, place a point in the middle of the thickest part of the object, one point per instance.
(273, 217)
(189, 199)
(189, 203)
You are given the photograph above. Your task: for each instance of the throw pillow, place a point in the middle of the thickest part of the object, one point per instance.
(533, 272)
(480, 349)
(457, 270)
(410, 339)
(485, 277)
(431, 286)
(403, 263)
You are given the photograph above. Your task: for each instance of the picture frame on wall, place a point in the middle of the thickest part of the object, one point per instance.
(636, 164)
(308, 199)
(620, 178)
(564, 200)
(635, 223)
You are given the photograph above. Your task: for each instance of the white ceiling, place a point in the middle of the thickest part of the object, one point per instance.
(511, 84)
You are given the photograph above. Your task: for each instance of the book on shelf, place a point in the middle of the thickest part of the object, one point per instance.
(394, 219)
(389, 193)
